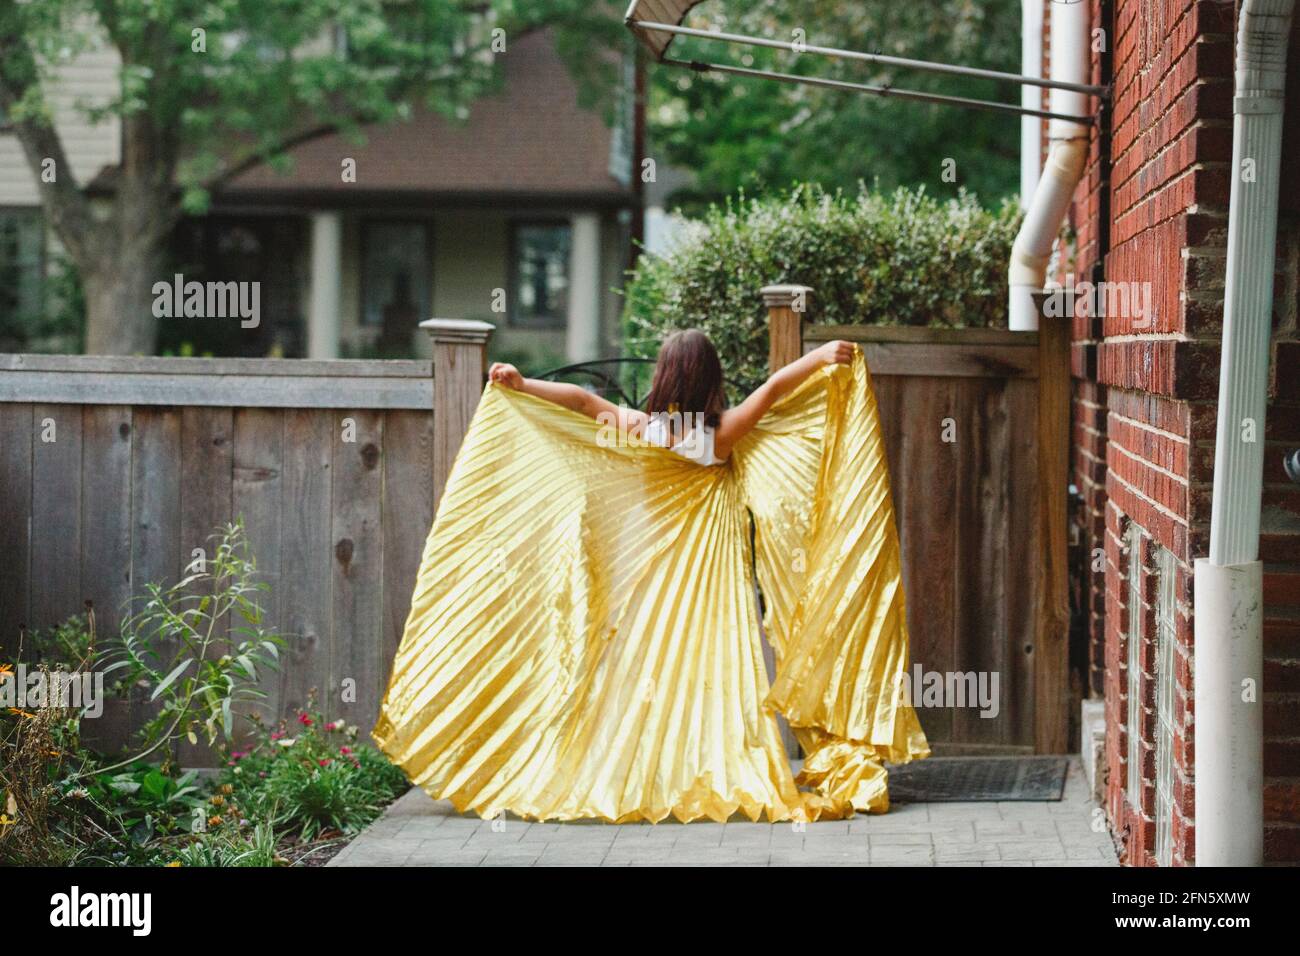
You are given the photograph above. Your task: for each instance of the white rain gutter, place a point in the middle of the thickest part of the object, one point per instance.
(1068, 152)
(1031, 65)
(1229, 658)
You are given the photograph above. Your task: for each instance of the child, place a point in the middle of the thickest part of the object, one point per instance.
(686, 409)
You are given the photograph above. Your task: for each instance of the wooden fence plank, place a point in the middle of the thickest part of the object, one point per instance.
(206, 456)
(306, 556)
(105, 570)
(256, 486)
(979, 571)
(1023, 538)
(155, 517)
(56, 515)
(16, 435)
(357, 673)
(106, 513)
(923, 480)
(1051, 650)
(408, 515)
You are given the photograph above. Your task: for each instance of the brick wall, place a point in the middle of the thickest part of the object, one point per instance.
(1144, 401)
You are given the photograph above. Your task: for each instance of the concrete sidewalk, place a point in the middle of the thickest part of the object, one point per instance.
(417, 831)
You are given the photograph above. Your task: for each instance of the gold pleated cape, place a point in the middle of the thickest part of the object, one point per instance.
(584, 639)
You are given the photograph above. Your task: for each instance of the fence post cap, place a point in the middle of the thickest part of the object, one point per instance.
(783, 295)
(468, 331)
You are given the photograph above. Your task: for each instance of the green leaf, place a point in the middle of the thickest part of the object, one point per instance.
(171, 678)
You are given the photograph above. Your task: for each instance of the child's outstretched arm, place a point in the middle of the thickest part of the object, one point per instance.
(737, 422)
(569, 396)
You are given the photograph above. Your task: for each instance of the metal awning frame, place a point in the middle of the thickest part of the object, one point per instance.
(880, 58)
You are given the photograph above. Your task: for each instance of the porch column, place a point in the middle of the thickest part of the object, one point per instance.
(584, 341)
(459, 362)
(324, 323)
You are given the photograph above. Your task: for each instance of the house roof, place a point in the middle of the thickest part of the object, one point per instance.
(530, 139)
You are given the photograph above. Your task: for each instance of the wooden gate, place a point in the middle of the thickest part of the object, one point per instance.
(960, 413)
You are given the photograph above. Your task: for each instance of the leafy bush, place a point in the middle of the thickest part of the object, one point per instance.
(316, 781)
(175, 646)
(903, 258)
(195, 648)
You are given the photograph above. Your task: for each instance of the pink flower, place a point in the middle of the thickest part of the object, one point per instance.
(277, 735)
(304, 720)
(345, 750)
(324, 761)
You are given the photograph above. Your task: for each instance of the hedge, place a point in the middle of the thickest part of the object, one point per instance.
(904, 258)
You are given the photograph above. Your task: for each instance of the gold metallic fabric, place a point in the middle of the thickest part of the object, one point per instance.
(584, 639)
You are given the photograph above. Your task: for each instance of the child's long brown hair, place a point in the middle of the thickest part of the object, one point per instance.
(688, 378)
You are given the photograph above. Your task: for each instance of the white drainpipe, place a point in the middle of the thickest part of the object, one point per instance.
(1065, 160)
(1229, 656)
(1031, 64)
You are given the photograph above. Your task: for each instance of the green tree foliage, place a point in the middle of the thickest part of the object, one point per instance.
(737, 132)
(210, 87)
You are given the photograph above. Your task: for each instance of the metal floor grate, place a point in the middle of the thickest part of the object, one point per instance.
(960, 779)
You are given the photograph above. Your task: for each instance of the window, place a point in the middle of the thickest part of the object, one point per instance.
(539, 274)
(1134, 546)
(1166, 687)
(396, 287)
(22, 239)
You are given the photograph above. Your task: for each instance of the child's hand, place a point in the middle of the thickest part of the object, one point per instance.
(835, 353)
(505, 374)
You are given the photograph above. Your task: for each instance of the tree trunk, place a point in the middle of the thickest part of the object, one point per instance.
(119, 301)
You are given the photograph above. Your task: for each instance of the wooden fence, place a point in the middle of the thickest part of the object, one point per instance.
(115, 469)
(960, 411)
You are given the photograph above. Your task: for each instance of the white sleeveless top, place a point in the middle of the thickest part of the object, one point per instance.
(696, 445)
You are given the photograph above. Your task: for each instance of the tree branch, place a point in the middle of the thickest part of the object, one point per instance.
(65, 204)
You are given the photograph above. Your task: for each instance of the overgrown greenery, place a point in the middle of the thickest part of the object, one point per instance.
(313, 779)
(198, 645)
(902, 258)
(192, 653)
(734, 132)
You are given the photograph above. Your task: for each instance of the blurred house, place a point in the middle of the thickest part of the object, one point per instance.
(521, 216)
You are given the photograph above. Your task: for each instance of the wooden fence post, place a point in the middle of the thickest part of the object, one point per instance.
(786, 307)
(1051, 646)
(459, 361)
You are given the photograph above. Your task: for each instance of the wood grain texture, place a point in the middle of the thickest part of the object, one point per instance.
(407, 516)
(457, 388)
(306, 557)
(106, 513)
(357, 673)
(56, 515)
(257, 502)
(16, 434)
(1051, 650)
(155, 514)
(206, 476)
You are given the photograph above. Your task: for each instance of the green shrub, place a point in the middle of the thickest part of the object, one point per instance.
(902, 258)
(316, 780)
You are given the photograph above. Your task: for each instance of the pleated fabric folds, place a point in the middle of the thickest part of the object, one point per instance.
(584, 642)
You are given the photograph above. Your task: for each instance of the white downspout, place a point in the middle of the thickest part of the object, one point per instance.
(1031, 64)
(1229, 657)
(1065, 161)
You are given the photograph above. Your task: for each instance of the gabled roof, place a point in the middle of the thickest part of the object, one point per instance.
(531, 139)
